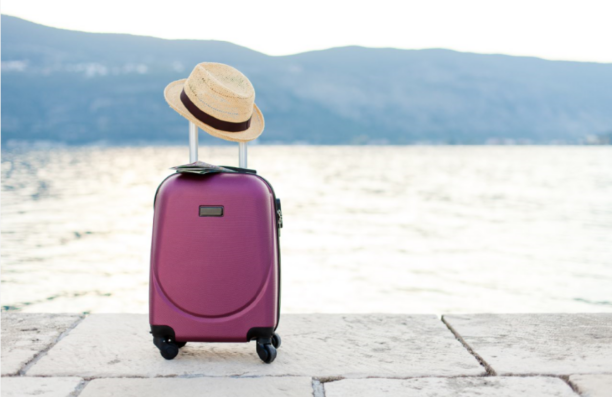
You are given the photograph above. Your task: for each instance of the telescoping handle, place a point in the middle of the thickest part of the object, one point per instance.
(193, 142)
(193, 147)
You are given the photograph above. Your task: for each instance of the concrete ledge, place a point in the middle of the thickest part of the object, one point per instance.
(26, 336)
(210, 387)
(25, 386)
(451, 387)
(322, 355)
(313, 345)
(526, 344)
(592, 385)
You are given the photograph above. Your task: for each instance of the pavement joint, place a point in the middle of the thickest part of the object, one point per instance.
(317, 388)
(536, 375)
(595, 385)
(318, 385)
(468, 386)
(326, 379)
(487, 367)
(23, 371)
(80, 387)
(566, 379)
(318, 379)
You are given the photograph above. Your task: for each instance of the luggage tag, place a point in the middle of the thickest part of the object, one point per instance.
(200, 167)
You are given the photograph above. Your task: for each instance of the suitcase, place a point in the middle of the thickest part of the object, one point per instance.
(215, 259)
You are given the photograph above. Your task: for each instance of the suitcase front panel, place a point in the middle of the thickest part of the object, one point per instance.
(211, 265)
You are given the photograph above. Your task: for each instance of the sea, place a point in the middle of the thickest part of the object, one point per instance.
(385, 229)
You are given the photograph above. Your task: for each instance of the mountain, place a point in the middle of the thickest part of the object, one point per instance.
(77, 87)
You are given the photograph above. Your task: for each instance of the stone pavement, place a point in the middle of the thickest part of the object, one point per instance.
(321, 355)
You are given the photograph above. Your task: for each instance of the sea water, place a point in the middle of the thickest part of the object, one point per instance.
(396, 229)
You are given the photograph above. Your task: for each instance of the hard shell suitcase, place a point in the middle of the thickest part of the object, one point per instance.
(215, 260)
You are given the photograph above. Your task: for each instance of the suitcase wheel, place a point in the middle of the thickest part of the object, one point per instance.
(276, 340)
(266, 350)
(167, 348)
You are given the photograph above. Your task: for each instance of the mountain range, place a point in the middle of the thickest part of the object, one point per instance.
(78, 88)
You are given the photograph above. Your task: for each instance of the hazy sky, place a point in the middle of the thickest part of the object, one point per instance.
(570, 30)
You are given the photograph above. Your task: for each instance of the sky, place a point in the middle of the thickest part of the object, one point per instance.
(558, 30)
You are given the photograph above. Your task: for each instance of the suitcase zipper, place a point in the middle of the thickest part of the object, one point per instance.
(279, 216)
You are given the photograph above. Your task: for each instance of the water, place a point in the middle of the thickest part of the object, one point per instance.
(367, 229)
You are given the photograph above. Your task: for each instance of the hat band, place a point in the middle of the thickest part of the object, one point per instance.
(211, 120)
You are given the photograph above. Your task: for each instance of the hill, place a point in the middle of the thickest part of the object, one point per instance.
(78, 87)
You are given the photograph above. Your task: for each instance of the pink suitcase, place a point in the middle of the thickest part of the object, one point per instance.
(215, 260)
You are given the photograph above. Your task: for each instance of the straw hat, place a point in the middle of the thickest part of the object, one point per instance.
(218, 99)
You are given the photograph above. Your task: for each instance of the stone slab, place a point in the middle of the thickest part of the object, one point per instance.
(525, 344)
(317, 345)
(210, 387)
(598, 385)
(26, 335)
(24, 386)
(450, 387)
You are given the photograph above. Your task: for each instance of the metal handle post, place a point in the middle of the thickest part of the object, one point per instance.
(242, 154)
(193, 142)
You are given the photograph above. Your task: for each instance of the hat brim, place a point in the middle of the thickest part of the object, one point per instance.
(172, 93)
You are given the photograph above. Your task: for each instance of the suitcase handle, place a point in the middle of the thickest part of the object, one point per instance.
(193, 142)
(193, 147)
